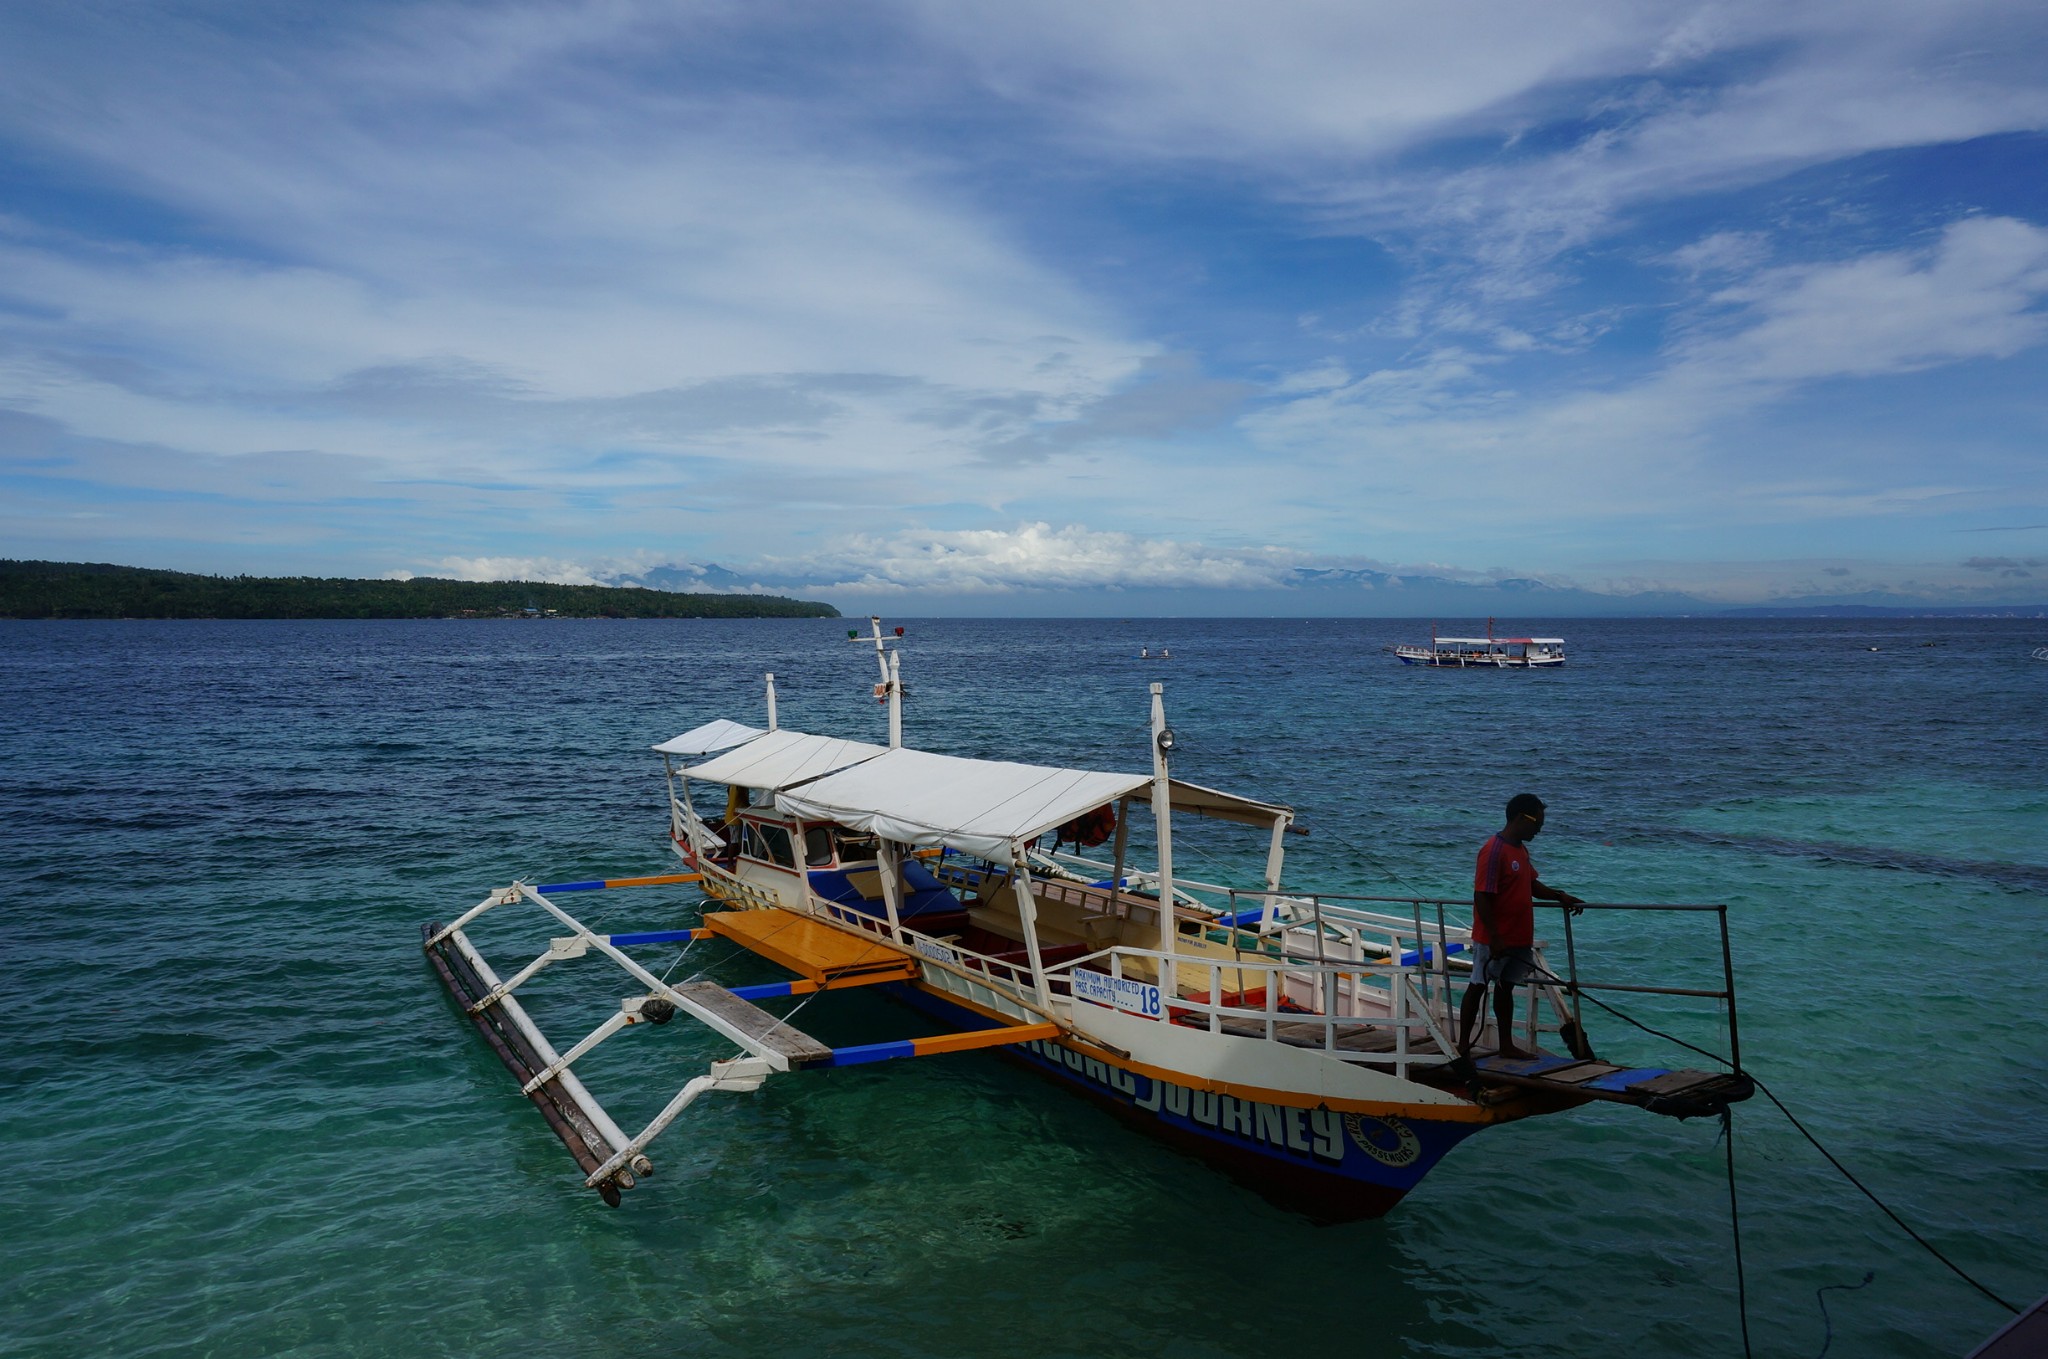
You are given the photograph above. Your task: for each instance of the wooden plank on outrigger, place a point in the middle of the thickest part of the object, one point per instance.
(762, 1027)
(810, 947)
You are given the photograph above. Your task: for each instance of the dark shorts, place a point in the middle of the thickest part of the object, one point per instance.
(1509, 967)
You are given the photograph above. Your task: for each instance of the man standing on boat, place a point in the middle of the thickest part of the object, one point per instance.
(1504, 893)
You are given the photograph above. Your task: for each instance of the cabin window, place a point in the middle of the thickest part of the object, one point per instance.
(818, 847)
(766, 841)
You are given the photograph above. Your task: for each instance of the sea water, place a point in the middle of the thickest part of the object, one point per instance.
(241, 1118)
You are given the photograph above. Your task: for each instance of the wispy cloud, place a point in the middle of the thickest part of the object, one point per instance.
(850, 296)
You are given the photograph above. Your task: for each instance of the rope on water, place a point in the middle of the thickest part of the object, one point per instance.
(1828, 1321)
(1735, 1229)
(1843, 1170)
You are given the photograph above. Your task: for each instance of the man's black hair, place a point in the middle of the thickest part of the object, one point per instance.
(1524, 804)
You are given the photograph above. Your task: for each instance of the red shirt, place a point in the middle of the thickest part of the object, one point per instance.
(1507, 871)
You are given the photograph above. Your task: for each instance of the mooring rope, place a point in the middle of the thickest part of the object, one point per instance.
(1735, 1230)
(1832, 1160)
(688, 944)
(1829, 1322)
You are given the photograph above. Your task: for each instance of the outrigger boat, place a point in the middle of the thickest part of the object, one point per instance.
(1489, 652)
(1303, 1042)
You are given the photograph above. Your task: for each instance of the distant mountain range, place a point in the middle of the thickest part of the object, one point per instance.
(686, 589)
(1352, 592)
(1891, 611)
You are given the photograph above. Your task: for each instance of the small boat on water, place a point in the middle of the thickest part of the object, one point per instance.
(1488, 652)
(1304, 1042)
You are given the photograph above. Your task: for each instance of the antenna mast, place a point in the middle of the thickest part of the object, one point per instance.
(890, 690)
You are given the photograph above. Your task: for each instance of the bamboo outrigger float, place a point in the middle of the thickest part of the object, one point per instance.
(1305, 1042)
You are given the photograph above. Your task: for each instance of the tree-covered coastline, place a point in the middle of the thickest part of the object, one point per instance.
(33, 589)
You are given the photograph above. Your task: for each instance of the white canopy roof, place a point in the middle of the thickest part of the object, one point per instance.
(982, 807)
(979, 807)
(718, 734)
(780, 759)
(1501, 641)
(1192, 797)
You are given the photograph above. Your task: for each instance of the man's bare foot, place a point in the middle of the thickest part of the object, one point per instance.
(1512, 1053)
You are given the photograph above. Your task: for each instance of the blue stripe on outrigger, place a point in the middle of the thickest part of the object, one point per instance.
(765, 991)
(872, 1052)
(1428, 954)
(653, 937)
(599, 884)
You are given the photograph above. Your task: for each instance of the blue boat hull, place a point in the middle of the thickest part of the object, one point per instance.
(1328, 1165)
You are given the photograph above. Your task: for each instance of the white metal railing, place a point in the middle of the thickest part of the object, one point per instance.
(1334, 1008)
(994, 983)
(1312, 925)
(732, 890)
(1329, 930)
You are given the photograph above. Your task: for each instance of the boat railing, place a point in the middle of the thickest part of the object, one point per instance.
(730, 889)
(1359, 1013)
(1005, 985)
(1421, 934)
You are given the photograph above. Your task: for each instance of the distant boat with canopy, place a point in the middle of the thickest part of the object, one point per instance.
(1483, 653)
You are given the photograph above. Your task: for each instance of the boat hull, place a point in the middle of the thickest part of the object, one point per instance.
(1481, 662)
(1327, 1164)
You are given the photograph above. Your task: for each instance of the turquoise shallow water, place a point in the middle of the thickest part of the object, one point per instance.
(242, 1120)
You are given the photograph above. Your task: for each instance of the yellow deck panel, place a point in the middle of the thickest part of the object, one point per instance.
(816, 950)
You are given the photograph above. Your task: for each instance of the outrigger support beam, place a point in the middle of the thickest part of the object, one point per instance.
(570, 1112)
(609, 1159)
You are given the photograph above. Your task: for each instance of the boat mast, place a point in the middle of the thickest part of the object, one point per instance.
(890, 690)
(1162, 816)
(771, 700)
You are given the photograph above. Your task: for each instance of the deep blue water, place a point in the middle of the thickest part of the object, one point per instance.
(241, 1119)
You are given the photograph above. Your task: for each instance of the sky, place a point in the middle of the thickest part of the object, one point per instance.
(1046, 306)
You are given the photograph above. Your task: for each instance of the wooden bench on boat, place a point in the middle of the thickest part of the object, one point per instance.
(1069, 913)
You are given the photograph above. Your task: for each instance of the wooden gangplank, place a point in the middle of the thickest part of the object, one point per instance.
(811, 948)
(1680, 1094)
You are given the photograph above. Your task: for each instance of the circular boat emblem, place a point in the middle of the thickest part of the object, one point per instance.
(1387, 1140)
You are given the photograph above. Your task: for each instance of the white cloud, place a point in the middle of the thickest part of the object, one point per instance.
(1723, 252)
(1315, 97)
(1292, 79)
(1437, 428)
(1973, 294)
(480, 190)
(552, 570)
(721, 279)
(1033, 557)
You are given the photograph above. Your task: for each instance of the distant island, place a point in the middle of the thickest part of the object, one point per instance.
(1892, 611)
(31, 589)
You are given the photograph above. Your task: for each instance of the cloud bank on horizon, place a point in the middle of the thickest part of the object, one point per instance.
(1043, 305)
